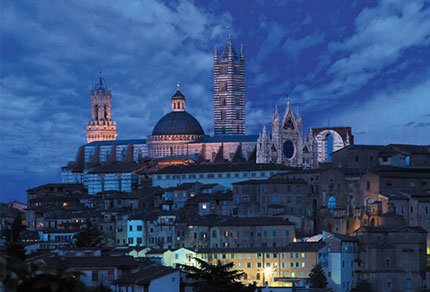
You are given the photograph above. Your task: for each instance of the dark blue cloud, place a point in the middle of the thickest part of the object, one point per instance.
(363, 64)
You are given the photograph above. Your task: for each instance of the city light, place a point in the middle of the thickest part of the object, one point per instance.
(267, 271)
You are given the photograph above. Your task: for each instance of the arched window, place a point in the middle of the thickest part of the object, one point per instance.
(369, 202)
(123, 153)
(223, 115)
(331, 204)
(408, 285)
(329, 139)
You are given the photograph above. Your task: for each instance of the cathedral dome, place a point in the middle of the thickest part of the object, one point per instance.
(178, 123)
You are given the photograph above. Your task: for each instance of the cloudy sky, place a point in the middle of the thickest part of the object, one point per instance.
(364, 64)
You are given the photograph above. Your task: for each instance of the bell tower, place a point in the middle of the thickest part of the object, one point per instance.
(101, 127)
(229, 91)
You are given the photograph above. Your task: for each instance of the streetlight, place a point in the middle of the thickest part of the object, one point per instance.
(266, 273)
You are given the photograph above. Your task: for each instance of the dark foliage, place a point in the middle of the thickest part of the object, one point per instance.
(317, 277)
(14, 247)
(90, 237)
(20, 276)
(216, 277)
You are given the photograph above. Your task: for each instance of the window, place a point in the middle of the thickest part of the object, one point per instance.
(408, 284)
(139, 227)
(331, 203)
(387, 262)
(258, 276)
(223, 86)
(95, 276)
(130, 240)
(249, 265)
(131, 227)
(139, 240)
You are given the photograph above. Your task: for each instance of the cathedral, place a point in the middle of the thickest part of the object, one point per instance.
(178, 135)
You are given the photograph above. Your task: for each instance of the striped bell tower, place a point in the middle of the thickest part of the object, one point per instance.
(229, 91)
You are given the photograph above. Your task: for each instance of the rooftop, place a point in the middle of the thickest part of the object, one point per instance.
(272, 181)
(117, 142)
(227, 139)
(243, 167)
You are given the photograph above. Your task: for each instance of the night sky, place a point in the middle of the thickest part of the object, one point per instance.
(364, 64)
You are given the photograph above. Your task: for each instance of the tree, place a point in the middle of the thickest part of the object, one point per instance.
(90, 237)
(317, 277)
(216, 277)
(14, 248)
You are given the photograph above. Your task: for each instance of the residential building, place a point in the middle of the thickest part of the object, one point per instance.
(392, 258)
(278, 266)
(217, 231)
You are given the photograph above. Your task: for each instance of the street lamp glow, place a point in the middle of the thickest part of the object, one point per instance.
(267, 270)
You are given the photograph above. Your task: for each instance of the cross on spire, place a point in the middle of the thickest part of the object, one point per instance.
(228, 29)
(177, 86)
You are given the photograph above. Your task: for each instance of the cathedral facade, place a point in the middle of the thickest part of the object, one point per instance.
(286, 144)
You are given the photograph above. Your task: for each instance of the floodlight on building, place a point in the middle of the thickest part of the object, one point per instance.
(267, 271)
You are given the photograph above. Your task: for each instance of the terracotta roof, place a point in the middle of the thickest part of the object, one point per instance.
(272, 181)
(147, 273)
(237, 167)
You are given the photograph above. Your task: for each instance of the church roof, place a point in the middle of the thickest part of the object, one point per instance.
(224, 55)
(100, 84)
(226, 139)
(178, 123)
(117, 142)
(178, 93)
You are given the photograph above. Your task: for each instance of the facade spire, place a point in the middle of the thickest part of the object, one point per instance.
(242, 53)
(288, 100)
